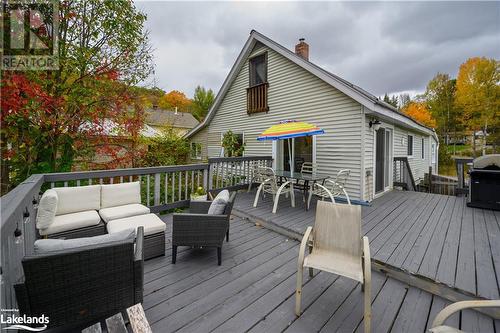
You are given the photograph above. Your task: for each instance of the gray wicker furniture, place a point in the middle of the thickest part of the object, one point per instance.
(83, 284)
(199, 229)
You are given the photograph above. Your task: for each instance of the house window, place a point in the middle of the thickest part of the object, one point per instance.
(433, 153)
(196, 150)
(410, 146)
(258, 70)
(257, 92)
(423, 149)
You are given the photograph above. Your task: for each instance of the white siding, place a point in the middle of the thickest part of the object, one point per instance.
(296, 94)
(418, 165)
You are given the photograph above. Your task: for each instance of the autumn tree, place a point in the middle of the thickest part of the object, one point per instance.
(404, 99)
(202, 101)
(419, 112)
(440, 98)
(48, 117)
(175, 99)
(478, 93)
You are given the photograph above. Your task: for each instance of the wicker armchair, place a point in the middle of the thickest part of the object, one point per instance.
(199, 229)
(84, 284)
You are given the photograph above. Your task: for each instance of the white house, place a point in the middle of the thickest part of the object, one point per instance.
(269, 83)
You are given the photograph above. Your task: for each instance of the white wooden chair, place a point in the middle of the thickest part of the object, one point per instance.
(269, 184)
(437, 324)
(336, 246)
(331, 188)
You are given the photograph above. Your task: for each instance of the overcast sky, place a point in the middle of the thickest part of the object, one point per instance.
(381, 47)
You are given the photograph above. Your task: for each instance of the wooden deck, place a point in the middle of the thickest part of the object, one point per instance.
(253, 291)
(436, 237)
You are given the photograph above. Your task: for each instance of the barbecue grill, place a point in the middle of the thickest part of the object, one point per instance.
(484, 189)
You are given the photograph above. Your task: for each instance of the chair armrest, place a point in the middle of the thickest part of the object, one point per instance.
(139, 266)
(367, 261)
(139, 244)
(199, 207)
(452, 308)
(303, 244)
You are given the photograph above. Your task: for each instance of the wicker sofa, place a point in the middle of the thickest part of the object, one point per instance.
(82, 211)
(200, 229)
(83, 284)
(85, 211)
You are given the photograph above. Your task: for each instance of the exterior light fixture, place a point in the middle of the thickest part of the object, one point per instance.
(375, 124)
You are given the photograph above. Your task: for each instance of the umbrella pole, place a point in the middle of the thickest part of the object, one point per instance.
(290, 155)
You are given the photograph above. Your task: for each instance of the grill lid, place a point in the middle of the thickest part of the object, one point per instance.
(487, 161)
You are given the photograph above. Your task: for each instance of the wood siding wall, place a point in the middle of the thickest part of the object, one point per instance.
(296, 94)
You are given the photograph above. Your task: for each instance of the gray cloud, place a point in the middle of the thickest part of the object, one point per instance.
(382, 47)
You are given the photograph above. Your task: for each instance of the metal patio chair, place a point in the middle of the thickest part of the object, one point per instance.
(331, 188)
(336, 246)
(437, 324)
(269, 184)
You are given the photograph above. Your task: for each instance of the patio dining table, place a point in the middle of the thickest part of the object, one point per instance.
(308, 178)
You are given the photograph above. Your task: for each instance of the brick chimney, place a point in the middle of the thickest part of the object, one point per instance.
(302, 49)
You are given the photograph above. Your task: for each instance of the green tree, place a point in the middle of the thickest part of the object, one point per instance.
(233, 146)
(202, 101)
(440, 98)
(168, 149)
(393, 100)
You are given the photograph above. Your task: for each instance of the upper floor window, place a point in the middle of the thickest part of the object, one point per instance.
(410, 146)
(258, 90)
(258, 70)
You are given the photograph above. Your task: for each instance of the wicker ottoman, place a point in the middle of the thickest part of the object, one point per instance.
(154, 232)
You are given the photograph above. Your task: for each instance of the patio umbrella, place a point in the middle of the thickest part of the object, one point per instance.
(287, 130)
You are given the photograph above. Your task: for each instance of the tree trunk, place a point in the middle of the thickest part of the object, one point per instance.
(4, 167)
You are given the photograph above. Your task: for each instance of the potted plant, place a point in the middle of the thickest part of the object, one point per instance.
(199, 195)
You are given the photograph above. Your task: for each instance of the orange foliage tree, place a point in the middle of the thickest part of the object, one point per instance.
(478, 93)
(175, 99)
(419, 112)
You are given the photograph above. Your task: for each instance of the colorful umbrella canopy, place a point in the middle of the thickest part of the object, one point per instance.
(288, 129)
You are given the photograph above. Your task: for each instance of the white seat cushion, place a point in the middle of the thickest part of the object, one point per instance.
(78, 199)
(120, 212)
(120, 194)
(336, 263)
(218, 206)
(152, 224)
(72, 221)
(46, 209)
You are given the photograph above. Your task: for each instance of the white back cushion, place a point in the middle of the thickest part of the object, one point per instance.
(46, 209)
(120, 194)
(219, 204)
(78, 199)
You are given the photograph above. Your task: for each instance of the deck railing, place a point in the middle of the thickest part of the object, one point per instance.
(162, 188)
(462, 167)
(257, 98)
(403, 177)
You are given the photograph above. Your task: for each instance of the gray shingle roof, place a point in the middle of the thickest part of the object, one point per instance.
(162, 117)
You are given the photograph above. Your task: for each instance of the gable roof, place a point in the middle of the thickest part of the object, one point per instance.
(371, 102)
(162, 117)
